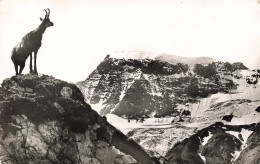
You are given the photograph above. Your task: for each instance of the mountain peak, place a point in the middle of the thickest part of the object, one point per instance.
(173, 59)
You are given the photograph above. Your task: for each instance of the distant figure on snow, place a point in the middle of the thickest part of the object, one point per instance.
(30, 43)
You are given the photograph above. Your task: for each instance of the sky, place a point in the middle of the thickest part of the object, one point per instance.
(85, 31)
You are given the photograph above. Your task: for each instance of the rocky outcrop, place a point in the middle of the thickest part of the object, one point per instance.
(238, 65)
(251, 153)
(45, 120)
(219, 144)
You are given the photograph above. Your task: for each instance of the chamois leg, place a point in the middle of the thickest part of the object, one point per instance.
(35, 66)
(16, 68)
(21, 68)
(31, 71)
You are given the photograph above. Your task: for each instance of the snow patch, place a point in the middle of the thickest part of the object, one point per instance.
(123, 125)
(206, 139)
(245, 134)
(233, 133)
(98, 106)
(193, 124)
(252, 117)
(246, 73)
(236, 155)
(202, 157)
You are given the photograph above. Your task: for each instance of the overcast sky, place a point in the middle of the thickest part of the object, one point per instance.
(85, 31)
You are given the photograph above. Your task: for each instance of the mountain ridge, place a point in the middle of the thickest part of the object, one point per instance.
(108, 84)
(172, 59)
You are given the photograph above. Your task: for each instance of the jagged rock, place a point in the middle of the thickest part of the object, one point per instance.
(220, 148)
(217, 144)
(46, 120)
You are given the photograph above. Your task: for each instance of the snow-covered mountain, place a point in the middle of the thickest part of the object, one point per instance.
(138, 87)
(161, 100)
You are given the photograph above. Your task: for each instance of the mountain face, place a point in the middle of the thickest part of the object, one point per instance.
(45, 120)
(150, 87)
(177, 101)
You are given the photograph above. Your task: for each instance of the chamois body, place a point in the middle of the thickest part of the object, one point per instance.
(29, 44)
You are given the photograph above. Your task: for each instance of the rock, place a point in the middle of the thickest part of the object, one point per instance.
(186, 113)
(240, 137)
(66, 92)
(251, 153)
(220, 148)
(29, 90)
(53, 124)
(215, 145)
(257, 109)
(228, 118)
(252, 80)
(185, 152)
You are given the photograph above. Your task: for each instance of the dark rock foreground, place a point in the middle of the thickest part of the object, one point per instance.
(44, 120)
(217, 144)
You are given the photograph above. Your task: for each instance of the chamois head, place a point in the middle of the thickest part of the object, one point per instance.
(46, 21)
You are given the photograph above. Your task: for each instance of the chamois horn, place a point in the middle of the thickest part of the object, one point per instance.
(48, 12)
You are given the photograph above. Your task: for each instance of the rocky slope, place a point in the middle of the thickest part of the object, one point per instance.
(45, 120)
(219, 144)
(147, 87)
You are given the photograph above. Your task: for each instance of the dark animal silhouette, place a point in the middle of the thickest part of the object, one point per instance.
(30, 43)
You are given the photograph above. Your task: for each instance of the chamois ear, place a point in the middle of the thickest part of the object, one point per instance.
(41, 19)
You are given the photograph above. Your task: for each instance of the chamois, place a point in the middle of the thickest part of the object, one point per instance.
(30, 43)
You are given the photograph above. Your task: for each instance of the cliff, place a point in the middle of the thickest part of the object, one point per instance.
(46, 120)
